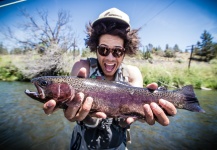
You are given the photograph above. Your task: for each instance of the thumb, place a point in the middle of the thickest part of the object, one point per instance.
(82, 73)
(152, 86)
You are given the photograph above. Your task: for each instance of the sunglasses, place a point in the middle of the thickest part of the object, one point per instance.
(116, 51)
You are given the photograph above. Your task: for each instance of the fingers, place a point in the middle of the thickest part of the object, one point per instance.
(130, 120)
(85, 109)
(82, 73)
(160, 115)
(73, 113)
(49, 107)
(152, 86)
(99, 115)
(149, 117)
(169, 107)
(74, 106)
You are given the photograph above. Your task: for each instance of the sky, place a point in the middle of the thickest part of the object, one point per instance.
(163, 21)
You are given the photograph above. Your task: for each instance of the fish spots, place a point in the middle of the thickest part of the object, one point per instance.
(130, 90)
(113, 98)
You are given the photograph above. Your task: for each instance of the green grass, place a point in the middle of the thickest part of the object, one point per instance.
(8, 72)
(178, 75)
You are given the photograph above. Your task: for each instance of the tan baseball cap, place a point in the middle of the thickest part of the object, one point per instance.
(115, 15)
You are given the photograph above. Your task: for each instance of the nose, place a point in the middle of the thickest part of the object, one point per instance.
(110, 57)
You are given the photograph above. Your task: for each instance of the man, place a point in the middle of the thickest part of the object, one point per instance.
(111, 38)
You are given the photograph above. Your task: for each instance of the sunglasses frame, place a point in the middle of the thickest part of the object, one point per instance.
(114, 51)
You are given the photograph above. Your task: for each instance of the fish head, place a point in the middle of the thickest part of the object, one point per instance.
(50, 87)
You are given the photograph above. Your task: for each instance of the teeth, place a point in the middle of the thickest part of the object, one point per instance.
(109, 64)
(109, 67)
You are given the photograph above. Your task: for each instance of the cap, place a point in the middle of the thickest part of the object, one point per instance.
(115, 15)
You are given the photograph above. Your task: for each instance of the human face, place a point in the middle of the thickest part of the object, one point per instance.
(110, 64)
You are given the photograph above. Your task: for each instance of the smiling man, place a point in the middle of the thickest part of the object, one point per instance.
(111, 38)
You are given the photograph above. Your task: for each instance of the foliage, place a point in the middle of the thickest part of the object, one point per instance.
(86, 53)
(176, 48)
(206, 49)
(52, 62)
(169, 53)
(45, 43)
(214, 49)
(16, 51)
(9, 72)
(3, 50)
(40, 32)
(147, 55)
(213, 63)
(159, 52)
(177, 75)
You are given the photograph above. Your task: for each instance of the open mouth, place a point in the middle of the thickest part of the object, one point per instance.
(36, 95)
(109, 67)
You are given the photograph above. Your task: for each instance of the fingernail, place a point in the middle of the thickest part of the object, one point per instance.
(163, 102)
(154, 105)
(49, 105)
(89, 100)
(81, 95)
(147, 107)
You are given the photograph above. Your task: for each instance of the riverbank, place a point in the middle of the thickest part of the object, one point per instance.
(175, 72)
(171, 72)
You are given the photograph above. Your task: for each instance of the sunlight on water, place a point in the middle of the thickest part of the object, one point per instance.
(23, 125)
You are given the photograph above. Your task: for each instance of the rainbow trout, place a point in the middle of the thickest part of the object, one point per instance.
(115, 99)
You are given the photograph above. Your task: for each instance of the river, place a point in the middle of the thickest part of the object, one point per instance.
(23, 125)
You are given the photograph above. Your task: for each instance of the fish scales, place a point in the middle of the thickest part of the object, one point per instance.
(116, 99)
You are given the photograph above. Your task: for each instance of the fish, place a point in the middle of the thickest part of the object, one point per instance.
(114, 98)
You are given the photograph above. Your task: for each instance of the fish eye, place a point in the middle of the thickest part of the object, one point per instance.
(43, 83)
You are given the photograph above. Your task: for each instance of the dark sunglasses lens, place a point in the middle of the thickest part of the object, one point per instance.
(117, 52)
(104, 51)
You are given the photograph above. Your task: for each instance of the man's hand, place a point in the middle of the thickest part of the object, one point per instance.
(154, 112)
(49, 107)
(75, 111)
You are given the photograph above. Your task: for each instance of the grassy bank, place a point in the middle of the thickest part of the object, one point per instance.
(175, 72)
(8, 72)
(164, 71)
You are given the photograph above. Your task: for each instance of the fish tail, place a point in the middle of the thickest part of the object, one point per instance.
(191, 102)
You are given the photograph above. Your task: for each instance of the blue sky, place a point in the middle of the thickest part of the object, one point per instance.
(163, 21)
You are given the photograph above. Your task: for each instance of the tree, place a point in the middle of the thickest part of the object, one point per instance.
(42, 31)
(214, 49)
(3, 50)
(16, 51)
(169, 52)
(43, 36)
(159, 51)
(176, 48)
(205, 46)
(149, 47)
(167, 47)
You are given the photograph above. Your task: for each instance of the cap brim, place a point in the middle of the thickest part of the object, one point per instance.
(110, 19)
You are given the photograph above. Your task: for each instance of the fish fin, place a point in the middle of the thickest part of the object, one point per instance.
(162, 88)
(191, 101)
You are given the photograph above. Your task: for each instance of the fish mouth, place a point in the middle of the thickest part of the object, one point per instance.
(38, 95)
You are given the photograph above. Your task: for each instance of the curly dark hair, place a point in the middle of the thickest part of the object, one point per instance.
(130, 37)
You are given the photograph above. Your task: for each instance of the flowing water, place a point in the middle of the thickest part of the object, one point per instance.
(23, 125)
